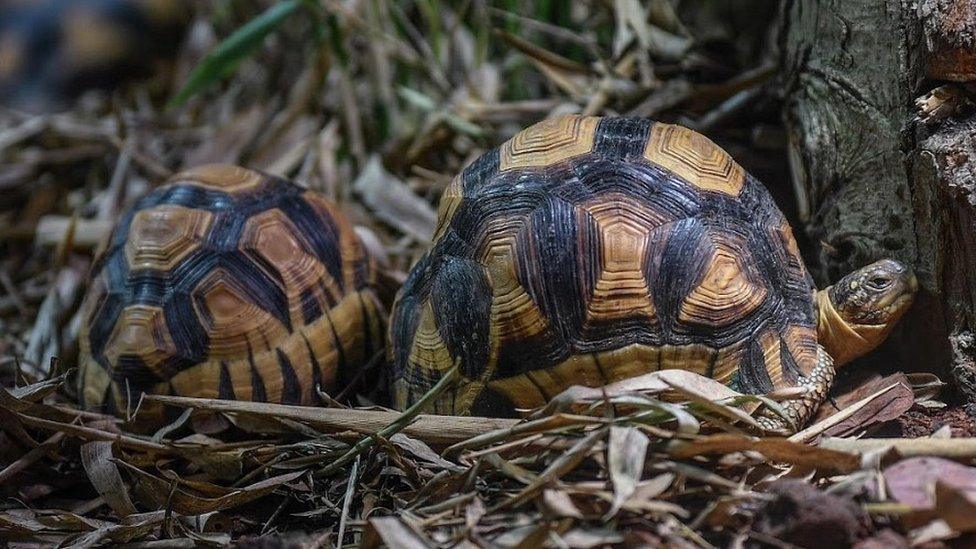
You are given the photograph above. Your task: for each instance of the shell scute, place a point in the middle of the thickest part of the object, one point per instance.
(548, 142)
(165, 236)
(695, 158)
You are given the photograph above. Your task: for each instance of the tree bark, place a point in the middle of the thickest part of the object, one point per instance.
(878, 177)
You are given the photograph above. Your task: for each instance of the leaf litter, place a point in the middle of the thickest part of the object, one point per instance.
(638, 465)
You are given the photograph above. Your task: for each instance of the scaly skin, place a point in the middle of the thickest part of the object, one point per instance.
(800, 410)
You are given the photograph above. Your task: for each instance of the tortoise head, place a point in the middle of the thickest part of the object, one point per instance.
(858, 312)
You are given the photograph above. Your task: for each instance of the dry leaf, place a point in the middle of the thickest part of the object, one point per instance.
(912, 481)
(229, 139)
(585, 539)
(937, 530)
(105, 477)
(956, 506)
(890, 405)
(421, 450)
(162, 493)
(626, 451)
(393, 201)
(578, 397)
(392, 533)
(560, 504)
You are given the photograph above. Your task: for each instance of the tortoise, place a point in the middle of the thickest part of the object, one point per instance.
(228, 283)
(586, 250)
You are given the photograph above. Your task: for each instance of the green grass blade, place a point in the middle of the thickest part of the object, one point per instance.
(225, 58)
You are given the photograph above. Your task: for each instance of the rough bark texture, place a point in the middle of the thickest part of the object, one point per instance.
(943, 168)
(949, 27)
(874, 178)
(852, 76)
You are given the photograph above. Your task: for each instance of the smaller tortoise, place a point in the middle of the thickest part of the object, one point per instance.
(588, 250)
(228, 283)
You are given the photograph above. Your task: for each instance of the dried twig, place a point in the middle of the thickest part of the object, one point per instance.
(957, 448)
(436, 430)
(347, 500)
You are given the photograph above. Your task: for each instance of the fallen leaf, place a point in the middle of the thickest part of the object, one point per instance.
(925, 385)
(560, 504)
(163, 493)
(104, 475)
(626, 451)
(912, 481)
(473, 512)
(885, 539)
(653, 487)
(391, 532)
(585, 539)
(560, 466)
(394, 202)
(937, 530)
(229, 140)
(675, 382)
(956, 506)
(886, 407)
(421, 450)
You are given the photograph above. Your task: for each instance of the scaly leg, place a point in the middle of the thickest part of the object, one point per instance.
(800, 410)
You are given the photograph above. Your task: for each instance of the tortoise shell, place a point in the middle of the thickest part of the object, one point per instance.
(228, 283)
(587, 250)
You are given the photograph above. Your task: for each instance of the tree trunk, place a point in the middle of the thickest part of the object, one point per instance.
(876, 176)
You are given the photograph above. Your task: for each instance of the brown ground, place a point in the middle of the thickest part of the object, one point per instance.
(921, 422)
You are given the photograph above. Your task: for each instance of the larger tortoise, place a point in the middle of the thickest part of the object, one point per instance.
(587, 250)
(228, 283)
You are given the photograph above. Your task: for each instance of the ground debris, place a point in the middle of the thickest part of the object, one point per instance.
(656, 469)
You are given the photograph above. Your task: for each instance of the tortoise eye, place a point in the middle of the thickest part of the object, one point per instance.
(879, 282)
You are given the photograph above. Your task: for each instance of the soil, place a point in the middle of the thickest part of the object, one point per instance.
(922, 422)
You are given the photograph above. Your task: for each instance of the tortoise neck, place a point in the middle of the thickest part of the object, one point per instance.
(844, 341)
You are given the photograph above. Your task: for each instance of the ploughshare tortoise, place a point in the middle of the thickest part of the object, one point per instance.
(228, 283)
(587, 250)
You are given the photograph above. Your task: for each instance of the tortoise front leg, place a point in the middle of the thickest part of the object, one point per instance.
(801, 409)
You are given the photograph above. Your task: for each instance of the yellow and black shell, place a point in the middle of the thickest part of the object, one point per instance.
(587, 250)
(228, 283)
